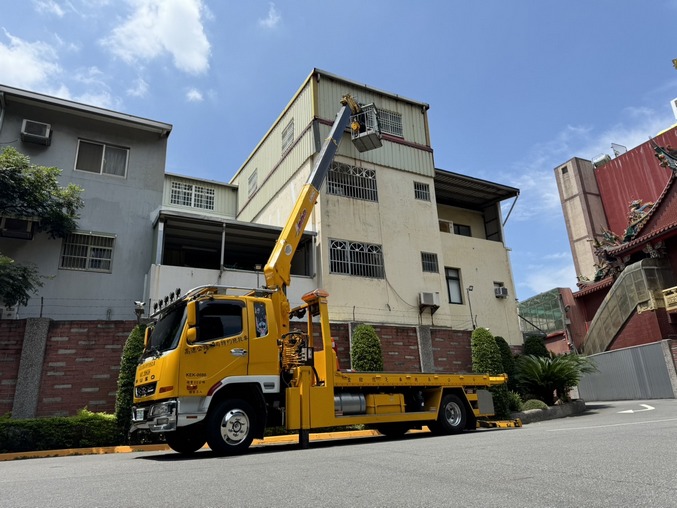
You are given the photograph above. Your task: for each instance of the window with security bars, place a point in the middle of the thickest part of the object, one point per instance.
(429, 262)
(92, 253)
(352, 181)
(422, 191)
(356, 258)
(195, 196)
(288, 136)
(101, 158)
(390, 122)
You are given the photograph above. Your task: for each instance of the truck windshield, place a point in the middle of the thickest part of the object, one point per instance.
(167, 331)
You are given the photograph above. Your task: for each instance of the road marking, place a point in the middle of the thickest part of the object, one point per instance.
(646, 406)
(613, 425)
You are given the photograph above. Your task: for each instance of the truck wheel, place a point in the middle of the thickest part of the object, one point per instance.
(230, 428)
(186, 440)
(452, 416)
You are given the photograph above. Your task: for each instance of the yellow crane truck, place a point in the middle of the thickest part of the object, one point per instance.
(221, 364)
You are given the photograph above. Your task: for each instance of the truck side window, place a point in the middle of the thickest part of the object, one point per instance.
(261, 319)
(218, 319)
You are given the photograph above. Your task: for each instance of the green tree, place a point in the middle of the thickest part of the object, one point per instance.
(32, 192)
(125, 393)
(366, 353)
(508, 361)
(534, 346)
(544, 377)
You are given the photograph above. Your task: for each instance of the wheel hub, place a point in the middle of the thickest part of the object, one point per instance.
(235, 427)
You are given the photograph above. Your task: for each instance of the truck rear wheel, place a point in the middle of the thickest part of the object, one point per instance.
(230, 428)
(452, 416)
(186, 440)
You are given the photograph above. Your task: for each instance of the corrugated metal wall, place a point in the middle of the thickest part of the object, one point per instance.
(641, 372)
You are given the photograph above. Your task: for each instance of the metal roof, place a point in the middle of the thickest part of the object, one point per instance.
(453, 189)
(85, 110)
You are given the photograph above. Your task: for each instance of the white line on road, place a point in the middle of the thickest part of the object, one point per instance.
(646, 407)
(613, 425)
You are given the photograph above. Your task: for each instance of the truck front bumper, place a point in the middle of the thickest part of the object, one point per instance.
(158, 417)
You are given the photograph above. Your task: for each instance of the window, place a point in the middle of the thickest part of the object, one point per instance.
(446, 226)
(252, 183)
(390, 122)
(461, 229)
(352, 181)
(565, 170)
(92, 253)
(288, 136)
(355, 258)
(422, 191)
(453, 276)
(429, 262)
(219, 319)
(102, 159)
(195, 196)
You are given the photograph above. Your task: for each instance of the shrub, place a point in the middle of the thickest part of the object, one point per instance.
(366, 354)
(85, 430)
(534, 346)
(514, 401)
(125, 393)
(534, 404)
(486, 357)
(507, 360)
(543, 377)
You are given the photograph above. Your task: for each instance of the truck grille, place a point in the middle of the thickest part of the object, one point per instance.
(145, 390)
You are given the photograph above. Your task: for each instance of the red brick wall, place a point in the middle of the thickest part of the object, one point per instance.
(400, 348)
(451, 350)
(82, 361)
(644, 328)
(11, 342)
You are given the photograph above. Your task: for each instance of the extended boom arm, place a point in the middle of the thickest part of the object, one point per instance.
(278, 269)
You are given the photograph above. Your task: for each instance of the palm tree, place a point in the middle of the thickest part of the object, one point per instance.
(542, 377)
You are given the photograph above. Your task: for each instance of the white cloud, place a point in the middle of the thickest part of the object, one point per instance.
(157, 27)
(534, 175)
(194, 95)
(49, 7)
(29, 65)
(543, 278)
(139, 88)
(272, 19)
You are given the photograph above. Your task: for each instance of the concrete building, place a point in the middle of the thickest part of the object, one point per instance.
(398, 241)
(97, 272)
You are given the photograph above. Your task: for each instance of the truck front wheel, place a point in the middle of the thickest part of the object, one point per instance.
(186, 440)
(230, 427)
(452, 416)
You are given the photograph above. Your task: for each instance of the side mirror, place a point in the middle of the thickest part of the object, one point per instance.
(191, 314)
(146, 338)
(191, 335)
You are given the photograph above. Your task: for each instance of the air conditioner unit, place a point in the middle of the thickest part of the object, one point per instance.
(23, 229)
(501, 292)
(429, 299)
(36, 132)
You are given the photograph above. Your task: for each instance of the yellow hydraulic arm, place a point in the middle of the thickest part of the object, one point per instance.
(277, 270)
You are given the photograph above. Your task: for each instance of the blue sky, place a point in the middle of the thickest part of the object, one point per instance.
(515, 87)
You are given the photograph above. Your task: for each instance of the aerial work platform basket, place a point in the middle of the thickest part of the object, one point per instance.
(364, 129)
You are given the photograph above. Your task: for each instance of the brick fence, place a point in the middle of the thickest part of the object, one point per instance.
(82, 360)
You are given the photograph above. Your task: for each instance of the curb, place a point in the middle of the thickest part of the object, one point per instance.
(538, 415)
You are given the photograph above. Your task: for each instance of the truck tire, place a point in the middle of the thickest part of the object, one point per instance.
(186, 440)
(452, 416)
(230, 427)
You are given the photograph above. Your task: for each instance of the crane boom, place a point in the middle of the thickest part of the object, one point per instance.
(277, 271)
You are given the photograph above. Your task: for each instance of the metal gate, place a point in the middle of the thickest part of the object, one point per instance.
(642, 372)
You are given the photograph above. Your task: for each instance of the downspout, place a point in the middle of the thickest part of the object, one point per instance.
(2, 110)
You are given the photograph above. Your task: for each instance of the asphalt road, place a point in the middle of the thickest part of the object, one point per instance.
(604, 458)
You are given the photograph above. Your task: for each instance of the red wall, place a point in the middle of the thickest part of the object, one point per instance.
(633, 175)
(644, 328)
(451, 350)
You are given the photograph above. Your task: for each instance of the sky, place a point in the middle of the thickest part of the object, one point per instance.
(515, 87)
